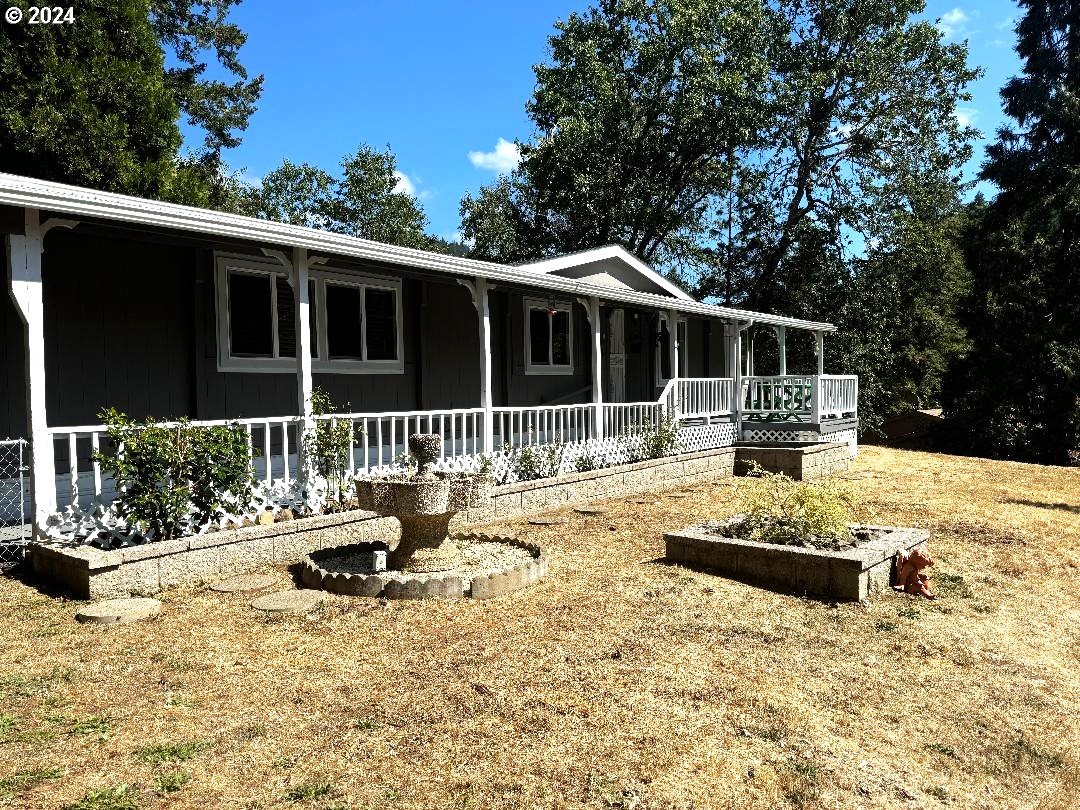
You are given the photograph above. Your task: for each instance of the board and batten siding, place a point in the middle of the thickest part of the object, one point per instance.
(13, 422)
(519, 388)
(118, 327)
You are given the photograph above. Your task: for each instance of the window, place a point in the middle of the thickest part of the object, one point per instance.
(549, 337)
(354, 320)
(663, 349)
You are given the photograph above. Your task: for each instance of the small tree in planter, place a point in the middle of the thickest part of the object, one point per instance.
(795, 513)
(329, 444)
(171, 479)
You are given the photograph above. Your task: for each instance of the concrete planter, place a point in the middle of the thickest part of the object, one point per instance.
(847, 575)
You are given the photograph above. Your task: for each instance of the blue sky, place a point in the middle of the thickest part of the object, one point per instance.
(442, 83)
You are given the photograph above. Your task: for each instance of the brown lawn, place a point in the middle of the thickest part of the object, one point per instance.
(617, 682)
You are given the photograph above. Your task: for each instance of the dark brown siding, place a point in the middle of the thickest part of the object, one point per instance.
(540, 388)
(12, 370)
(118, 328)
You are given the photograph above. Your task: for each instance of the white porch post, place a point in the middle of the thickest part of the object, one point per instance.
(298, 266)
(483, 309)
(299, 277)
(597, 369)
(820, 350)
(673, 345)
(750, 354)
(479, 288)
(24, 286)
(781, 339)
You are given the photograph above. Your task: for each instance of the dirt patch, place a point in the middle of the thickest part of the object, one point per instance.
(617, 681)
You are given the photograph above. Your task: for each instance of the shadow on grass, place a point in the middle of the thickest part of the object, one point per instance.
(1064, 507)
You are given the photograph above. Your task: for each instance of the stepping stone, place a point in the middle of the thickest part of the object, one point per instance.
(243, 583)
(591, 510)
(548, 521)
(119, 611)
(645, 500)
(294, 601)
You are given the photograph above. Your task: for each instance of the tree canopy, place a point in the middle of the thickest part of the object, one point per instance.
(87, 102)
(365, 200)
(97, 103)
(1017, 393)
(710, 136)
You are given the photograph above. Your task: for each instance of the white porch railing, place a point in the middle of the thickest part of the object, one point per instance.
(696, 397)
(272, 444)
(379, 440)
(620, 417)
(837, 395)
(815, 397)
(777, 396)
(542, 424)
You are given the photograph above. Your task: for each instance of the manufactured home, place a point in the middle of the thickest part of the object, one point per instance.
(167, 311)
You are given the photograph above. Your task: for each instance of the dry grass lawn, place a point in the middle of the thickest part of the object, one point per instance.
(617, 682)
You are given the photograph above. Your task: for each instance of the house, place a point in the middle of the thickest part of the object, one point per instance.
(169, 311)
(915, 429)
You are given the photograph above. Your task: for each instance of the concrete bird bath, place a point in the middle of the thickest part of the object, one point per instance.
(427, 562)
(424, 504)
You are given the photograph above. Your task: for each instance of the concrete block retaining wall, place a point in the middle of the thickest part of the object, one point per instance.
(90, 573)
(809, 462)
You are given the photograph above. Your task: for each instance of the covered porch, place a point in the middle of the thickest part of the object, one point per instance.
(493, 358)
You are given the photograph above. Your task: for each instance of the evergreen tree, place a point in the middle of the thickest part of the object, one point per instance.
(87, 102)
(1017, 393)
(94, 103)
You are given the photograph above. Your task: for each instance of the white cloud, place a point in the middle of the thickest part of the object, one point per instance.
(954, 24)
(408, 185)
(966, 116)
(404, 184)
(1008, 24)
(502, 159)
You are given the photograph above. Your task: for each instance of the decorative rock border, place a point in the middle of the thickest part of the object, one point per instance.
(441, 585)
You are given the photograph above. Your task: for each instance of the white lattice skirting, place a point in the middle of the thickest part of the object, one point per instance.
(849, 437)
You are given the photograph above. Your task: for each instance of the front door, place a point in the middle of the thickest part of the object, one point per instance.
(617, 355)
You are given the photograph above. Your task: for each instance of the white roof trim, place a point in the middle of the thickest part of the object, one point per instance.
(26, 192)
(607, 252)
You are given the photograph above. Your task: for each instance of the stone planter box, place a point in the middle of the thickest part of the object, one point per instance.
(90, 573)
(144, 570)
(848, 575)
(797, 460)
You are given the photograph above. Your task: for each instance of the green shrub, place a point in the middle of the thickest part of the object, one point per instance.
(780, 510)
(586, 461)
(537, 461)
(166, 475)
(329, 443)
(650, 441)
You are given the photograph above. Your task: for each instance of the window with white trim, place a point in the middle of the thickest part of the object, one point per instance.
(355, 320)
(549, 337)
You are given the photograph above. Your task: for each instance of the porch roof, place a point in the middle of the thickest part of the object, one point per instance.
(75, 201)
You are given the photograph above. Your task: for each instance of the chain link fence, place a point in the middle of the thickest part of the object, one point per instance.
(14, 500)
